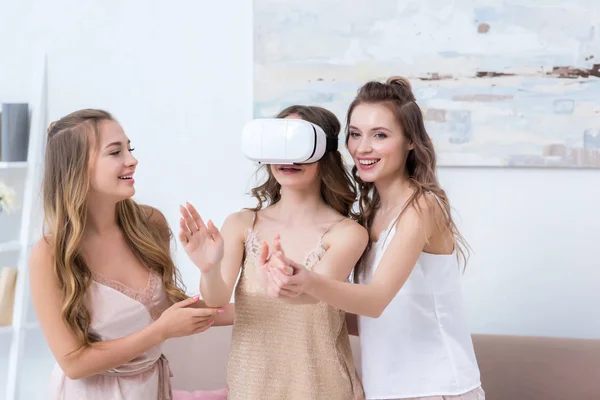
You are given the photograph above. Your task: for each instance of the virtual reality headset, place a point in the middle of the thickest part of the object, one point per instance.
(285, 141)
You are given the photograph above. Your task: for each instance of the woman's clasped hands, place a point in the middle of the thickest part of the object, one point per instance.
(282, 277)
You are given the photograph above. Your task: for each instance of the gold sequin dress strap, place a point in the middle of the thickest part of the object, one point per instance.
(331, 226)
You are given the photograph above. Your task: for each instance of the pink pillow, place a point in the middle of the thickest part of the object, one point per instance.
(220, 394)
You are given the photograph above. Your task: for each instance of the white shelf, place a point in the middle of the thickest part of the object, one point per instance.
(13, 245)
(30, 326)
(13, 164)
(22, 346)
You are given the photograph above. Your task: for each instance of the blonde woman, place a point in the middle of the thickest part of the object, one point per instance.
(103, 284)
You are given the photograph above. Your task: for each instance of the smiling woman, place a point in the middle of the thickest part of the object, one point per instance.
(103, 284)
(414, 337)
(114, 156)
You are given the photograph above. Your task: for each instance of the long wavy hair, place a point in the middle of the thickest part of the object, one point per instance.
(396, 94)
(337, 187)
(71, 146)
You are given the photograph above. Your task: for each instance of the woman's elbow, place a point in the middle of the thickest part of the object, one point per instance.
(376, 310)
(74, 376)
(374, 313)
(74, 369)
(72, 372)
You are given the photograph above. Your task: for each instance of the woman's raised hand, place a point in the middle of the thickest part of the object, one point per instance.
(202, 243)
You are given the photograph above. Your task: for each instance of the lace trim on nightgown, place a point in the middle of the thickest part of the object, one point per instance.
(252, 246)
(143, 296)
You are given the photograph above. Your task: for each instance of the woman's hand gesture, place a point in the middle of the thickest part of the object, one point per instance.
(202, 243)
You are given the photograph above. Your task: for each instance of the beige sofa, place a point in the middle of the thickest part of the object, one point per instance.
(512, 367)
(538, 368)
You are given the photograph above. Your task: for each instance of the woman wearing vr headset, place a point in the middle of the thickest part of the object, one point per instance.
(103, 284)
(285, 349)
(414, 338)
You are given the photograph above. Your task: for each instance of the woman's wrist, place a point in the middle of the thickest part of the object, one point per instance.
(312, 279)
(158, 331)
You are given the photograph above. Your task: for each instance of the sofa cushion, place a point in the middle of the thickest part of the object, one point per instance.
(538, 368)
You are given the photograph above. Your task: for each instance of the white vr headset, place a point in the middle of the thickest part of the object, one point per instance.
(285, 141)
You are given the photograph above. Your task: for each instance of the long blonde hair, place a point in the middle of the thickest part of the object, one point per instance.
(71, 143)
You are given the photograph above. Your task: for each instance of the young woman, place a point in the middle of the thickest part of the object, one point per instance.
(103, 284)
(414, 338)
(296, 349)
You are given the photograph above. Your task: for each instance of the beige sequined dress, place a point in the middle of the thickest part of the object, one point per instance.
(284, 351)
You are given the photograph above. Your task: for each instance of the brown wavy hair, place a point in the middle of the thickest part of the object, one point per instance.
(396, 94)
(337, 187)
(71, 145)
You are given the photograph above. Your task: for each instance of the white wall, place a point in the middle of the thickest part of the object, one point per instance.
(535, 236)
(178, 75)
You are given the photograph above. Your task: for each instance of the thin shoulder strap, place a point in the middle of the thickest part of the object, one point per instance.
(395, 220)
(254, 219)
(331, 226)
(437, 199)
(435, 196)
